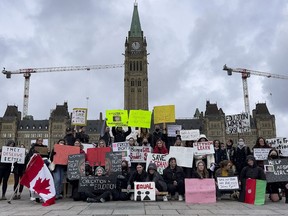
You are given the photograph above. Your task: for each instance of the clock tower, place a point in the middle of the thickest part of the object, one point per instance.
(136, 73)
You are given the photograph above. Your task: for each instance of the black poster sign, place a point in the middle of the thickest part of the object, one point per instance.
(276, 170)
(76, 166)
(96, 183)
(113, 162)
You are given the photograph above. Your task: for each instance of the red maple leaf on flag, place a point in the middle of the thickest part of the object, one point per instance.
(42, 186)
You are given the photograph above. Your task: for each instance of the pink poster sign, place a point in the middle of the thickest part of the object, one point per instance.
(200, 191)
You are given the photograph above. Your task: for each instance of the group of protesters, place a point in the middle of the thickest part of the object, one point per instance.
(227, 161)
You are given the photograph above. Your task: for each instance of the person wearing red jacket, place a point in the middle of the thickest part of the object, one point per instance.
(160, 147)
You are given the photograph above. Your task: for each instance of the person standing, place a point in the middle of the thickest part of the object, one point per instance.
(119, 134)
(240, 156)
(82, 136)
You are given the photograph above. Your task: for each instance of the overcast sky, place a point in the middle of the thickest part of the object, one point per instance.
(188, 41)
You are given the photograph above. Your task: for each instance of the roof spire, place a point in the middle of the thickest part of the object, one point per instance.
(135, 29)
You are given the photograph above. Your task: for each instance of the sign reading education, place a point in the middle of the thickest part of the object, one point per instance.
(164, 114)
(228, 183)
(276, 170)
(96, 183)
(117, 118)
(183, 155)
(144, 191)
(189, 134)
(261, 153)
(140, 118)
(76, 166)
(12, 154)
(160, 160)
(203, 148)
(239, 123)
(79, 116)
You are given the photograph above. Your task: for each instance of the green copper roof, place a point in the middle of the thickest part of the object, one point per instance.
(135, 29)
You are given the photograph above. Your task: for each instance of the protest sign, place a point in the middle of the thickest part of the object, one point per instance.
(42, 150)
(189, 134)
(164, 114)
(113, 163)
(97, 184)
(140, 118)
(12, 155)
(144, 191)
(200, 191)
(76, 166)
(228, 183)
(275, 142)
(62, 152)
(87, 146)
(138, 154)
(172, 130)
(239, 123)
(160, 160)
(120, 146)
(261, 153)
(183, 155)
(96, 156)
(79, 116)
(283, 150)
(276, 170)
(116, 118)
(203, 148)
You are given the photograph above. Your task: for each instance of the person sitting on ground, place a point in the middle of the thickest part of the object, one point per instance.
(174, 176)
(201, 171)
(154, 176)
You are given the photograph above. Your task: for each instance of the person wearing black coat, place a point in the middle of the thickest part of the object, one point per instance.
(119, 134)
(240, 155)
(174, 176)
(154, 176)
(251, 171)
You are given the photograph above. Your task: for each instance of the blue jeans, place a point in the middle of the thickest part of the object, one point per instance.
(58, 175)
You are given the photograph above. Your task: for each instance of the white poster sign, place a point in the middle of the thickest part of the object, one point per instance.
(172, 130)
(228, 183)
(87, 146)
(160, 160)
(261, 153)
(79, 116)
(183, 155)
(189, 134)
(239, 123)
(12, 154)
(203, 148)
(120, 146)
(144, 191)
(138, 154)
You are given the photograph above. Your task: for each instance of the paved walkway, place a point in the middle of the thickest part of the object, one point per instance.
(67, 207)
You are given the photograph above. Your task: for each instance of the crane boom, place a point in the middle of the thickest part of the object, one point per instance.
(246, 74)
(28, 71)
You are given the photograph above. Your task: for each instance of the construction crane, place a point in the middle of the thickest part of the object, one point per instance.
(28, 71)
(246, 74)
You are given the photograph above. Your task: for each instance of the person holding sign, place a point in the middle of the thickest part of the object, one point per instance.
(260, 143)
(119, 134)
(174, 177)
(5, 169)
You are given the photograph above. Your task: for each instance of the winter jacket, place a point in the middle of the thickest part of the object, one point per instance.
(171, 175)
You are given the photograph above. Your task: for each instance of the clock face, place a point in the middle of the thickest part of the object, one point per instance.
(135, 45)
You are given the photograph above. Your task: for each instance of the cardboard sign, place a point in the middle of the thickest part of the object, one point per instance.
(228, 183)
(144, 191)
(189, 134)
(113, 163)
(116, 118)
(183, 155)
(160, 160)
(261, 153)
(96, 156)
(97, 184)
(203, 148)
(172, 130)
(120, 146)
(200, 191)
(42, 150)
(164, 114)
(138, 154)
(76, 166)
(239, 123)
(276, 170)
(140, 118)
(62, 153)
(12, 155)
(79, 116)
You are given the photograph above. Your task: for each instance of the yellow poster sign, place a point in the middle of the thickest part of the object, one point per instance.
(117, 118)
(164, 114)
(79, 116)
(140, 118)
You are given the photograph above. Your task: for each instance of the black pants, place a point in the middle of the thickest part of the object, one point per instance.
(17, 177)
(113, 195)
(172, 189)
(4, 177)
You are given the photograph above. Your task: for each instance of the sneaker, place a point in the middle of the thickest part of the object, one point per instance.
(132, 197)
(102, 200)
(165, 199)
(32, 198)
(180, 198)
(173, 197)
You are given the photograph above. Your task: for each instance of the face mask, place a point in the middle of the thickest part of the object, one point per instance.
(145, 143)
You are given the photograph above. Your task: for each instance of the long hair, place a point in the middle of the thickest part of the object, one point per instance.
(205, 173)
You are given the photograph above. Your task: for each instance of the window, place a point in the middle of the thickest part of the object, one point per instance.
(132, 89)
(132, 82)
(139, 83)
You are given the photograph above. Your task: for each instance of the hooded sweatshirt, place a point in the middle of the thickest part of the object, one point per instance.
(253, 172)
(156, 177)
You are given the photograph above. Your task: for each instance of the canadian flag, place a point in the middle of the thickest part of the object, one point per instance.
(38, 178)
